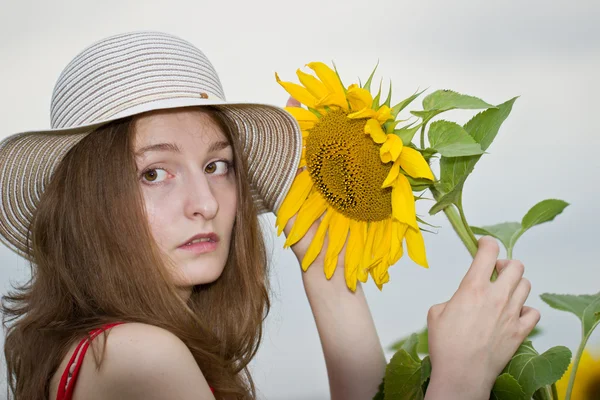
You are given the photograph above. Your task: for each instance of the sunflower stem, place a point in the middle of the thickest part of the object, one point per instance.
(575, 365)
(457, 223)
(423, 134)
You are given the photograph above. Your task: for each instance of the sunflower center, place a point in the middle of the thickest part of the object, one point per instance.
(345, 167)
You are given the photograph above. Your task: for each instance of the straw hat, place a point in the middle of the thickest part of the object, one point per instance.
(129, 74)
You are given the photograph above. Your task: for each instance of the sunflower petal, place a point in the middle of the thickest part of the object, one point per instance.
(354, 252)
(416, 246)
(396, 237)
(373, 128)
(302, 114)
(312, 84)
(294, 199)
(391, 149)
(392, 175)
(329, 79)
(403, 202)
(338, 233)
(317, 242)
(363, 268)
(310, 211)
(364, 113)
(414, 164)
(383, 114)
(359, 98)
(381, 241)
(333, 99)
(298, 92)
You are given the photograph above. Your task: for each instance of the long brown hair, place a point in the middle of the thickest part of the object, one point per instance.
(88, 269)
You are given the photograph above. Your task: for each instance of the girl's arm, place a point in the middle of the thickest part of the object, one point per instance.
(353, 353)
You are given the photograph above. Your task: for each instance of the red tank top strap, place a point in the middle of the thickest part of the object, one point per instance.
(69, 377)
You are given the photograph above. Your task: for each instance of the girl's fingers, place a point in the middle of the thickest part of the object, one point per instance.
(292, 102)
(501, 264)
(510, 276)
(484, 261)
(528, 320)
(520, 295)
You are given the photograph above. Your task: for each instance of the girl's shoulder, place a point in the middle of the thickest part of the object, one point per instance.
(139, 361)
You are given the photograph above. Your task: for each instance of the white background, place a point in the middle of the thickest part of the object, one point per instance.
(548, 53)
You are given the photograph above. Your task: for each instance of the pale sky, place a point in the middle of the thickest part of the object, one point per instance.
(548, 53)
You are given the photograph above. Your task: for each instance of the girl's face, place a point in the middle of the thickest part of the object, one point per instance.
(185, 171)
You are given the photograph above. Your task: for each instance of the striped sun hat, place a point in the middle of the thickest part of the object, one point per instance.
(129, 74)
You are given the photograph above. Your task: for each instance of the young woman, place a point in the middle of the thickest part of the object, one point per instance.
(138, 211)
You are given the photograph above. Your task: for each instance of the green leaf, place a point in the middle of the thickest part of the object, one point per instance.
(368, 83)
(535, 332)
(405, 375)
(406, 134)
(533, 370)
(585, 307)
(454, 170)
(509, 232)
(422, 342)
(452, 140)
(544, 211)
(375, 105)
(445, 100)
(389, 96)
(507, 388)
(448, 100)
(380, 395)
(503, 232)
(404, 103)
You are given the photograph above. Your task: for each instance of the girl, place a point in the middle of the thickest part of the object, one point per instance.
(138, 211)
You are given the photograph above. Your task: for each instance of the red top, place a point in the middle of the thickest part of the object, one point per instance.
(69, 377)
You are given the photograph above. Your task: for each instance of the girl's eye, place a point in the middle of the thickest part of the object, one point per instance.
(154, 175)
(218, 168)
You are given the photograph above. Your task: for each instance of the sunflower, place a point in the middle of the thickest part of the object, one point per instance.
(587, 380)
(354, 177)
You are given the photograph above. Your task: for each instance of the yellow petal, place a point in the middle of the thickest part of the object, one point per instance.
(293, 200)
(310, 211)
(381, 241)
(364, 113)
(298, 92)
(403, 202)
(383, 114)
(396, 238)
(363, 271)
(302, 114)
(414, 164)
(333, 99)
(391, 149)
(317, 243)
(338, 232)
(312, 84)
(390, 180)
(416, 246)
(329, 79)
(359, 98)
(373, 128)
(354, 252)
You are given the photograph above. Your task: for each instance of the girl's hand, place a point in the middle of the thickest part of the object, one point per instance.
(473, 336)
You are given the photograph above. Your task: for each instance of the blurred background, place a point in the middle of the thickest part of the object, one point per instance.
(548, 53)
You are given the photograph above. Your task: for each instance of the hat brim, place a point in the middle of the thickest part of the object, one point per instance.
(270, 138)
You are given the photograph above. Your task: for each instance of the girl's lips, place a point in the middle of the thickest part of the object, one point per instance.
(200, 247)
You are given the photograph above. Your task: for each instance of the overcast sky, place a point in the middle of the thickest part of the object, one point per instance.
(548, 53)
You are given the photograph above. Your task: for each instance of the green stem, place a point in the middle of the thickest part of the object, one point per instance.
(509, 253)
(458, 224)
(554, 392)
(575, 365)
(464, 219)
(423, 134)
